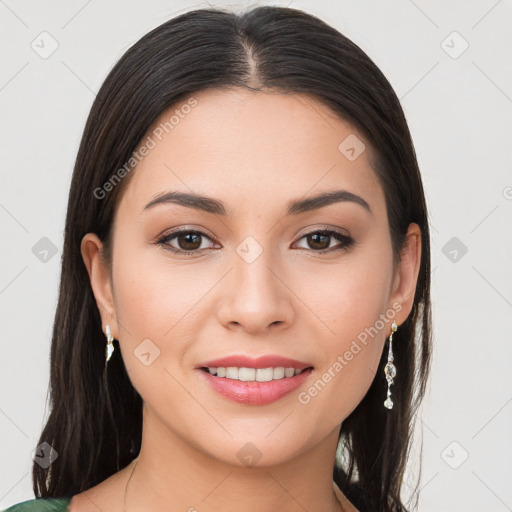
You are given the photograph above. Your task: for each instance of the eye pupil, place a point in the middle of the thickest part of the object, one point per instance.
(315, 237)
(195, 244)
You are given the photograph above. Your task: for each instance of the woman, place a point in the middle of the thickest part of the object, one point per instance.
(244, 311)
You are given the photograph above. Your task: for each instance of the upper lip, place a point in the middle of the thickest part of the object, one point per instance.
(268, 361)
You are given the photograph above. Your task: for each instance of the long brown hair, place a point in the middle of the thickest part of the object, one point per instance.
(95, 420)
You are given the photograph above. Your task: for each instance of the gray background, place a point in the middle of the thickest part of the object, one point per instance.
(458, 104)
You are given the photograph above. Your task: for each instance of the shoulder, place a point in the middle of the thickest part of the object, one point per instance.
(41, 505)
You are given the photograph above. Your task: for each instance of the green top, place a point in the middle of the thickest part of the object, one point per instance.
(41, 505)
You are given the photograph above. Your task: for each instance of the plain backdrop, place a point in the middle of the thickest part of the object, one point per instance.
(450, 65)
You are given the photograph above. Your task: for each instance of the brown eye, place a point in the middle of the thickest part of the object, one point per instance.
(320, 241)
(187, 240)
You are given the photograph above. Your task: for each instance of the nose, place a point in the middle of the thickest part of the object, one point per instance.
(255, 296)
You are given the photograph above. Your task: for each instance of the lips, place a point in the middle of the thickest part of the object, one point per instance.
(255, 393)
(251, 392)
(268, 361)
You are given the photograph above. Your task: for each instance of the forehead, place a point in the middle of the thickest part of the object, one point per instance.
(238, 146)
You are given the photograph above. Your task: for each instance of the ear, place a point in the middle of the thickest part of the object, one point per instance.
(406, 276)
(91, 249)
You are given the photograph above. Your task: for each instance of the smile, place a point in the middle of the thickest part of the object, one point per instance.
(257, 386)
(253, 374)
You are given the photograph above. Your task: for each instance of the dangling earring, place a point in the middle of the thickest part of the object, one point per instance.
(110, 346)
(390, 369)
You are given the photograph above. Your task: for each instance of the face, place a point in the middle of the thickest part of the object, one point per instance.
(248, 277)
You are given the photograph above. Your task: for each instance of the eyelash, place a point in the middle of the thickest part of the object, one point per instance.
(346, 240)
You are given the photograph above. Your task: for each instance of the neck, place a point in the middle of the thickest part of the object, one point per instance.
(169, 470)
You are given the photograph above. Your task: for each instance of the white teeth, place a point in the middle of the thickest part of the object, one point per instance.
(231, 372)
(254, 374)
(280, 372)
(289, 372)
(267, 374)
(245, 374)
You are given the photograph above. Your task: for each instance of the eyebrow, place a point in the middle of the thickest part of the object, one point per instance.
(211, 205)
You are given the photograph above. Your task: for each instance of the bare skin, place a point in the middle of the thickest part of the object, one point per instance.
(255, 152)
(110, 495)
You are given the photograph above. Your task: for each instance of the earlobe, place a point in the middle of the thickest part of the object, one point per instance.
(406, 277)
(91, 247)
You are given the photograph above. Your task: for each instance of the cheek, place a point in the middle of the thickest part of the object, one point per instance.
(152, 295)
(152, 306)
(352, 304)
(349, 297)
(162, 302)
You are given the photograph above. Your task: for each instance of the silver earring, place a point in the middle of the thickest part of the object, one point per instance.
(110, 346)
(390, 369)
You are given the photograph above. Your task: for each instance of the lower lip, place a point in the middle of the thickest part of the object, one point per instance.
(255, 393)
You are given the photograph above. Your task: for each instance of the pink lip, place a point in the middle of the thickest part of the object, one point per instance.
(259, 362)
(255, 393)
